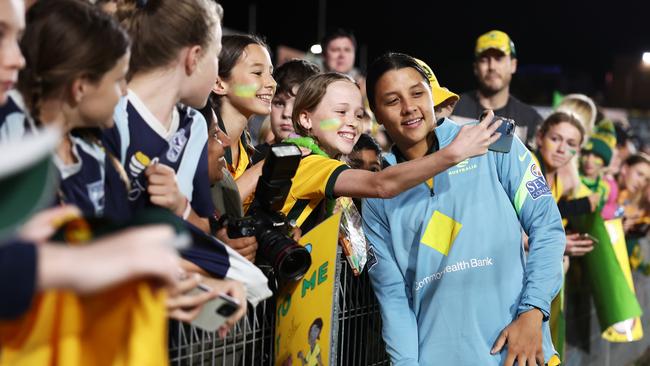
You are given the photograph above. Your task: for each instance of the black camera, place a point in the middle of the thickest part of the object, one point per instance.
(290, 261)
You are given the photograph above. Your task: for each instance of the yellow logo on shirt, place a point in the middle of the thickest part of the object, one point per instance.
(139, 162)
(441, 232)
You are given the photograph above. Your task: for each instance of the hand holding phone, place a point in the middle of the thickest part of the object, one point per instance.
(507, 130)
(578, 244)
(215, 312)
(586, 236)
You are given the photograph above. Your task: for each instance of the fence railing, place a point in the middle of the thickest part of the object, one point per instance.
(250, 342)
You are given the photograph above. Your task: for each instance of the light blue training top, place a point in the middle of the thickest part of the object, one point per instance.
(448, 266)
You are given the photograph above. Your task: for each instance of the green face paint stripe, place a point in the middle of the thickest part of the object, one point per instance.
(330, 124)
(245, 91)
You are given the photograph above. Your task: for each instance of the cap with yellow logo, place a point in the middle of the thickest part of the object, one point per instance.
(439, 93)
(497, 40)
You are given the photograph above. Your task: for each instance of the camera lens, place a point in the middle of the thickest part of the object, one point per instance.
(295, 264)
(289, 259)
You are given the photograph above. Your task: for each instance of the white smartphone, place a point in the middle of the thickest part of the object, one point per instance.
(216, 311)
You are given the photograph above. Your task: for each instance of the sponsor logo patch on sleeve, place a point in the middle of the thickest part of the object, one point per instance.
(537, 186)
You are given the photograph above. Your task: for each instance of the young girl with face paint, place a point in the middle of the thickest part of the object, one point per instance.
(245, 88)
(594, 160)
(558, 140)
(327, 112)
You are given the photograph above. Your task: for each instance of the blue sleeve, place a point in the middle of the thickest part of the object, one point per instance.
(201, 194)
(400, 330)
(531, 197)
(18, 262)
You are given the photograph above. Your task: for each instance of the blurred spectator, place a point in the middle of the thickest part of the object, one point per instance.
(584, 110)
(595, 157)
(339, 49)
(495, 63)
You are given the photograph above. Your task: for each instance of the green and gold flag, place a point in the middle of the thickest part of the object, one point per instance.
(608, 271)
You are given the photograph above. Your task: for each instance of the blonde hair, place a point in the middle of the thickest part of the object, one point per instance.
(583, 108)
(159, 29)
(311, 93)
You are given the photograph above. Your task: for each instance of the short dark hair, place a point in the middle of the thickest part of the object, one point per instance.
(366, 142)
(386, 62)
(293, 73)
(338, 33)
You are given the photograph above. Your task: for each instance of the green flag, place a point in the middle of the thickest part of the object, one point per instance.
(615, 300)
(557, 98)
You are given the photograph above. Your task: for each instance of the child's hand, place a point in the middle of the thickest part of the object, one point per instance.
(183, 305)
(163, 188)
(233, 289)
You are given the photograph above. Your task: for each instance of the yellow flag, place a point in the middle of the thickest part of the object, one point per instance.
(304, 310)
(628, 330)
(123, 326)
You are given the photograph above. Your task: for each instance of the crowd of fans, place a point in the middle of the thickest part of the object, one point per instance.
(124, 136)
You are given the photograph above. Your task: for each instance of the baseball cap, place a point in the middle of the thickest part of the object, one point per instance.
(28, 178)
(497, 40)
(439, 93)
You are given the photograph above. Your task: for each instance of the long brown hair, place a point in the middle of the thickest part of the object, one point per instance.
(161, 28)
(65, 40)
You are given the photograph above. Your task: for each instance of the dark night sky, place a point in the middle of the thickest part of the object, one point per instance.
(566, 45)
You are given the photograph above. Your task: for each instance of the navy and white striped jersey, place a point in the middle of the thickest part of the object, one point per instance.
(138, 138)
(91, 183)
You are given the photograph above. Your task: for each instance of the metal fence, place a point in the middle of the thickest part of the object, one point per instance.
(250, 342)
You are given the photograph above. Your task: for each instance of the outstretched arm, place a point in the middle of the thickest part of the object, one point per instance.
(472, 140)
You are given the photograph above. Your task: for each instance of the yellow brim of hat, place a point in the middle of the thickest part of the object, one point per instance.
(442, 94)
